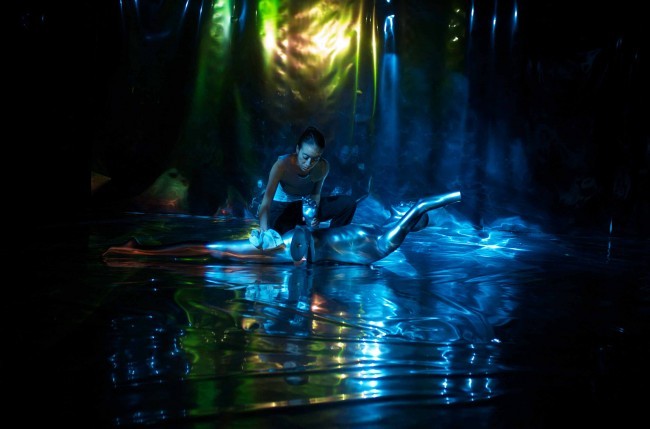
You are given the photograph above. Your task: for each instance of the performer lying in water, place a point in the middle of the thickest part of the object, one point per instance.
(350, 244)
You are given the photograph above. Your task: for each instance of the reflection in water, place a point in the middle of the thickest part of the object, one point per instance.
(266, 336)
(334, 333)
(454, 318)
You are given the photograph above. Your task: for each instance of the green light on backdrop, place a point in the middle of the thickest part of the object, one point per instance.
(268, 19)
(215, 52)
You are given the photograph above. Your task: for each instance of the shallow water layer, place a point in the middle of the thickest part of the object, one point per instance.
(511, 327)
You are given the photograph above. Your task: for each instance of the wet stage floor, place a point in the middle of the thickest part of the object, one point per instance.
(514, 328)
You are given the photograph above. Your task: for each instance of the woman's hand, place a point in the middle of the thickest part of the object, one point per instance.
(255, 238)
(265, 240)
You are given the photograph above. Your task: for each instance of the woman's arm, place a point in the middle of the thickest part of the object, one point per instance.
(274, 178)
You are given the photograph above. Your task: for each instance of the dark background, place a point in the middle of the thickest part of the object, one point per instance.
(549, 125)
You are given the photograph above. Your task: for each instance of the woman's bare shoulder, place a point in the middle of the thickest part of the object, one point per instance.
(281, 167)
(283, 162)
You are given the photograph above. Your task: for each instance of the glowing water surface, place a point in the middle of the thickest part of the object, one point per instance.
(508, 328)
